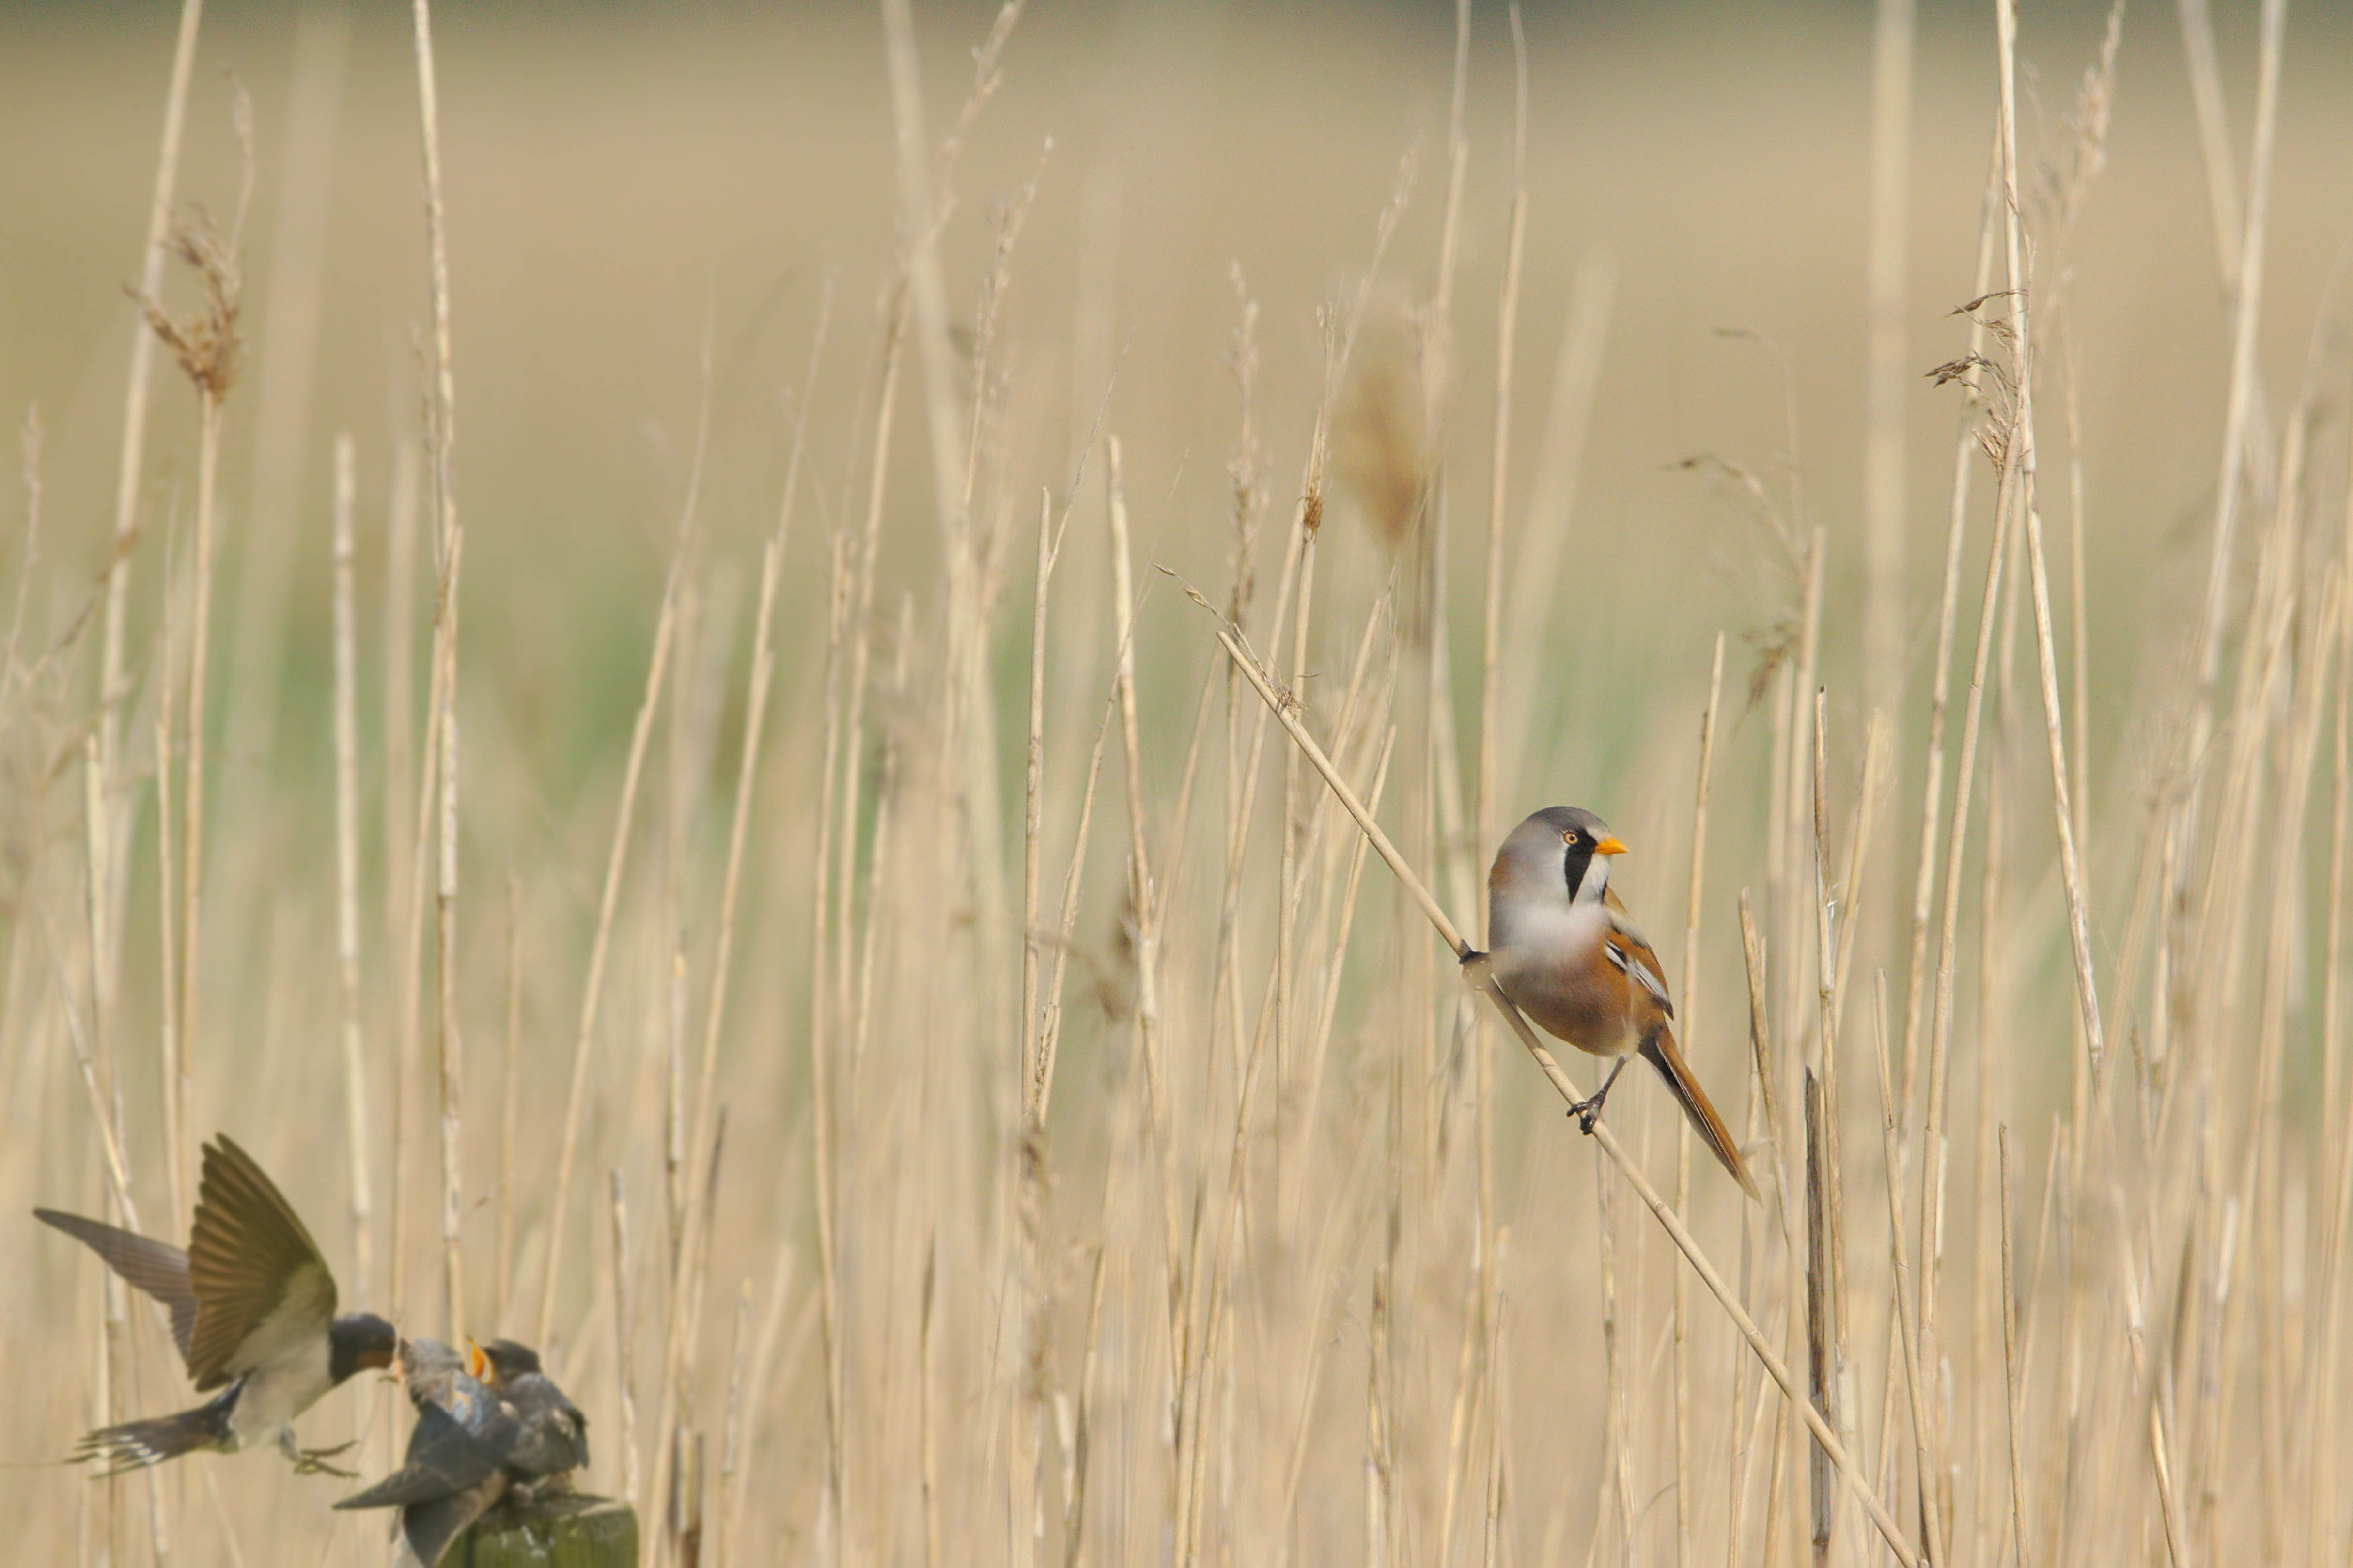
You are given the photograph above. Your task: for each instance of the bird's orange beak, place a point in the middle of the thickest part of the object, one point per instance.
(1610, 847)
(476, 1361)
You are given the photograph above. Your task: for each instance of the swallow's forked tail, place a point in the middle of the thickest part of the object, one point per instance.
(1659, 1049)
(136, 1444)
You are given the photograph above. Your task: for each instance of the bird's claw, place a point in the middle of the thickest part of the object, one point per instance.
(1588, 1113)
(313, 1462)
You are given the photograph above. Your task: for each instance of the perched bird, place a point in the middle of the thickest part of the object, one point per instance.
(451, 1475)
(489, 1425)
(253, 1311)
(554, 1439)
(1566, 952)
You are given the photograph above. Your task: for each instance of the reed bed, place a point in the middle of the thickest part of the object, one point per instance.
(960, 1052)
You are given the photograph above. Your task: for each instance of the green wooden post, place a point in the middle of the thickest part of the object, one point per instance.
(567, 1531)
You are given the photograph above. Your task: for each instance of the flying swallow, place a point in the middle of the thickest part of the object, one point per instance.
(489, 1425)
(252, 1305)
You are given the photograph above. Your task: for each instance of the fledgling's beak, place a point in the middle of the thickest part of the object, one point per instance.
(1610, 847)
(476, 1361)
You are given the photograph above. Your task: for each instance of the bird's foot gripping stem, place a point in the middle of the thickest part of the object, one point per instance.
(1588, 1112)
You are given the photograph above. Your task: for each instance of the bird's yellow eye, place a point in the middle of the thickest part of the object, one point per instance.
(1568, 836)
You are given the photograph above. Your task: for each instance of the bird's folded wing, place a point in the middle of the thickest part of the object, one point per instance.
(443, 1459)
(157, 1268)
(1630, 950)
(553, 1440)
(258, 1279)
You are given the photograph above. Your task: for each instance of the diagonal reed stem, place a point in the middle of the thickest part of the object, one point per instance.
(1477, 975)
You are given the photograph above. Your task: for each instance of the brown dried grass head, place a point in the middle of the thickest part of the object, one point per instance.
(206, 340)
(1381, 444)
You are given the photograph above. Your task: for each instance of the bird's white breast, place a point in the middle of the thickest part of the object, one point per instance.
(289, 1372)
(1550, 935)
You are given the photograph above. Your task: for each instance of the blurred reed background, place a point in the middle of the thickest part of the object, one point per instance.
(1016, 1122)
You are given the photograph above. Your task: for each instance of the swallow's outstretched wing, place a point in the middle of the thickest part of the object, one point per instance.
(157, 1268)
(262, 1290)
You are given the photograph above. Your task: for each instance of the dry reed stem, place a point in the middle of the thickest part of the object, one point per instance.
(763, 1362)
(1050, 1026)
(834, 1513)
(2019, 449)
(2010, 1366)
(1681, 1303)
(1293, 850)
(862, 561)
(1354, 719)
(510, 1108)
(400, 778)
(1507, 317)
(2336, 1111)
(175, 1086)
(118, 1165)
(1935, 1154)
(441, 428)
(730, 1446)
(684, 1481)
(593, 989)
(113, 684)
(927, 1378)
(2270, 1133)
(429, 795)
(1031, 1152)
(2222, 190)
(451, 1056)
(1616, 1483)
(1658, 1205)
(444, 394)
(919, 217)
(1159, 1113)
(1884, 379)
(347, 872)
(1906, 1310)
(625, 1341)
(1327, 1266)
(1833, 947)
(1499, 1429)
(1964, 455)
(112, 1366)
(1761, 1099)
(2247, 291)
(688, 1228)
(1821, 1316)
(2214, 140)
(208, 439)
(1075, 1496)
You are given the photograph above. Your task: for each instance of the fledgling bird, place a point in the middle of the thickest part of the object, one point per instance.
(252, 1305)
(1566, 952)
(554, 1439)
(450, 1476)
(489, 1425)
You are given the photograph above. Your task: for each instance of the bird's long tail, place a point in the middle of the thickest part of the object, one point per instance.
(135, 1444)
(430, 1526)
(1659, 1049)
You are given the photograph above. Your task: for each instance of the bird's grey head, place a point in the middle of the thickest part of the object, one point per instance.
(1559, 856)
(510, 1359)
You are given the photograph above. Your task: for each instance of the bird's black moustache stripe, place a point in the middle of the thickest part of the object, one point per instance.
(1574, 862)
